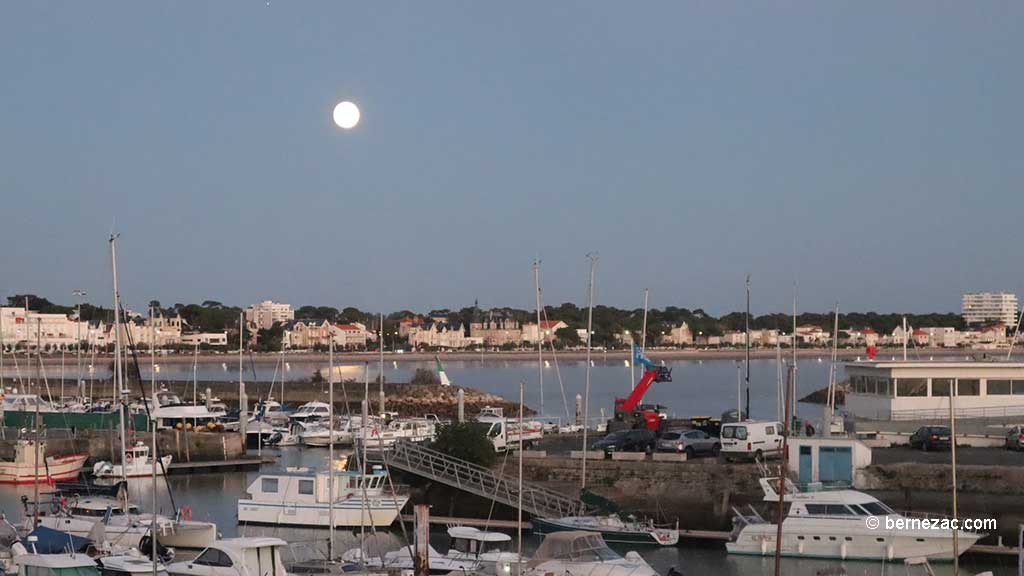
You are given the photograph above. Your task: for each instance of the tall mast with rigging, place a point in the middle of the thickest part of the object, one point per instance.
(586, 391)
(118, 366)
(540, 335)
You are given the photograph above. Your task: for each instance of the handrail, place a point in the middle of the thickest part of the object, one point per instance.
(481, 481)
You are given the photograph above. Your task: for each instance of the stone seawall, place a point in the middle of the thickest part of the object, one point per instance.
(699, 493)
(185, 446)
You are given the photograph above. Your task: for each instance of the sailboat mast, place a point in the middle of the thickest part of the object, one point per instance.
(330, 449)
(380, 346)
(540, 335)
(586, 390)
(35, 483)
(747, 329)
(118, 368)
(792, 383)
(832, 370)
(952, 452)
(242, 403)
(519, 489)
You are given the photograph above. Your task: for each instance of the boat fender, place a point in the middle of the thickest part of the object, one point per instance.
(842, 550)
(890, 552)
(800, 547)
(764, 547)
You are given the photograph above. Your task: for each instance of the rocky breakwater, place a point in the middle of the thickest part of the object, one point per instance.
(423, 399)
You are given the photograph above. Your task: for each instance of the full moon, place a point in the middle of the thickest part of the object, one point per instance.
(346, 115)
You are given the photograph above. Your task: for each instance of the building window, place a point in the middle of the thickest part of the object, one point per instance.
(968, 387)
(998, 387)
(912, 386)
(941, 387)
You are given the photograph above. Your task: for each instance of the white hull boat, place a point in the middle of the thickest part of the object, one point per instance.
(302, 499)
(584, 553)
(841, 524)
(138, 462)
(24, 470)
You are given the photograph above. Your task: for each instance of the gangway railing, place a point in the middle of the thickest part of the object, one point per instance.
(484, 482)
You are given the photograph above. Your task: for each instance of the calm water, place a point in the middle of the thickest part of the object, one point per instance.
(214, 497)
(698, 387)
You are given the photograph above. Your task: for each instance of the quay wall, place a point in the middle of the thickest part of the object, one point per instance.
(184, 445)
(701, 493)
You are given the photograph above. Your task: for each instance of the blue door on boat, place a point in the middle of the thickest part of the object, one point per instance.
(806, 466)
(835, 465)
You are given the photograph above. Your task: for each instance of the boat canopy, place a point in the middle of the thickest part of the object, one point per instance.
(573, 546)
(471, 533)
(50, 541)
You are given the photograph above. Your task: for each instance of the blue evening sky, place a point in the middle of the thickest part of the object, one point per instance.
(870, 151)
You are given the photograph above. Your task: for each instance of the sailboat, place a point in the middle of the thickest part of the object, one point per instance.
(441, 373)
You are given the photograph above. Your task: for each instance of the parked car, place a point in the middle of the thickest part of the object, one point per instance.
(931, 438)
(691, 442)
(751, 439)
(1015, 438)
(639, 440)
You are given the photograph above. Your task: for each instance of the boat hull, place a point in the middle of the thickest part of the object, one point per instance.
(549, 525)
(186, 534)
(842, 543)
(135, 469)
(57, 469)
(349, 513)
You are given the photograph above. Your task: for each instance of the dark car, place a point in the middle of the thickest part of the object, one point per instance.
(931, 438)
(1015, 438)
(638, 440)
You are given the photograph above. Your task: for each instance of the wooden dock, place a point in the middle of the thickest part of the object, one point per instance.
(245, 463)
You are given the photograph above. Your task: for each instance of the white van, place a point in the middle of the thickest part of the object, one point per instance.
(752, 439)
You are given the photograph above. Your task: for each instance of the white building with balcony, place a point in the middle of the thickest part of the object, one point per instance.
(266, 313)
(921, 390)
(982, 307)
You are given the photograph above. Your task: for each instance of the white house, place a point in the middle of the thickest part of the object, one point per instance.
(205, 338)
(547, 327)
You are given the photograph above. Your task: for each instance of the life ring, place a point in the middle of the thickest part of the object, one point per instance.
(186, 513)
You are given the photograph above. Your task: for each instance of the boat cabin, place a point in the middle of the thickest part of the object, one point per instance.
(311, 410)
(129, 565)
(573, 547)
(236, 557)
(473, 541)
(307, 487)
(921, 390)
(55, 565)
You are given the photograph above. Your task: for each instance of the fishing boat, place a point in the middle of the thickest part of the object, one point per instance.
(235, 557)
(138, 463)
(612, 528)
(584, 553)
(301, 498)
(843, 524)
(24, 469)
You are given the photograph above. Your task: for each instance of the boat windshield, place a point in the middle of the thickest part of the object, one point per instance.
(574, 547)
(877, 509)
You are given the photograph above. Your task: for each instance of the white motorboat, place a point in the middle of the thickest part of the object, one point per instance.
(401, 560)
(301, 498)
(493, 550)
(382, 434)
(844, 524)
(32, 564)
(235, 557)
(80, 516)
(133, 563)
(311, 411)
(138, 463)
(14, 402)
(584, 553)
(319, 434)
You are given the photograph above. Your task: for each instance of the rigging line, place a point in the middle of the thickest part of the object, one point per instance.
(149, 414)
(558, 372)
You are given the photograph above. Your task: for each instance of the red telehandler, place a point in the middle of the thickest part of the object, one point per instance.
(629, 412)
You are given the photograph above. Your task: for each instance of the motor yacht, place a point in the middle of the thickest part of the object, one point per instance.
(844, 524)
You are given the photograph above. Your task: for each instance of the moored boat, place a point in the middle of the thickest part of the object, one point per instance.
(301, 498)
(584, 553)
(612, 528)
(24, 469)
(843, 524)
(137, 463)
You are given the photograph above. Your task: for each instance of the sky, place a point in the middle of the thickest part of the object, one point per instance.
(867, 152)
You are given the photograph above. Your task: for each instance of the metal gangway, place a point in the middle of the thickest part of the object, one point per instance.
(484, 482)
